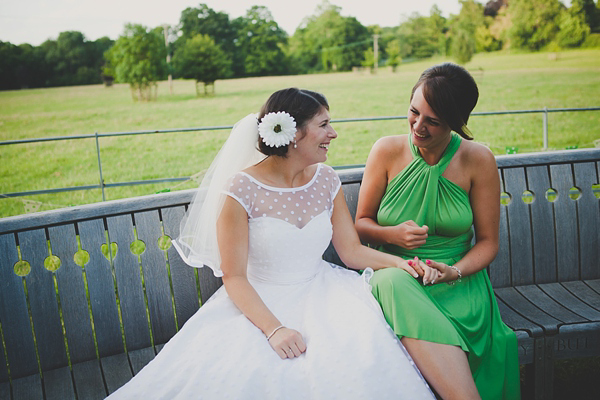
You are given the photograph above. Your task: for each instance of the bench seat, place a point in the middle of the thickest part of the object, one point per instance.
(81, 331)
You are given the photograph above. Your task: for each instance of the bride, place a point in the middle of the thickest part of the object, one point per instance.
(286, 324)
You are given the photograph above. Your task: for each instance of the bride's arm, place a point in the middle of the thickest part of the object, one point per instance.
(348, 245)
(232, 234)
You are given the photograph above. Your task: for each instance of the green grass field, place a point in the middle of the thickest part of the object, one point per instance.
(506, 81)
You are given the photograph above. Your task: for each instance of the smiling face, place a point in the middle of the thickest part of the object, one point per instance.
(314, 138)
(427, 130)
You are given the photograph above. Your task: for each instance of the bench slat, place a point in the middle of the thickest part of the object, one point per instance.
(209, 284)
(73, 300)
(351, 195)
(18, 337)
(588, 213)
(499, 269)
(565, 212)
(88, 380)
(102, 290)
(28, 388)
(5, 391)
(129, 284)
(117, 371)
(516, 321)
(58, 384)
(158, 288)
(542, 221)
(140, 358)
(521, 305)
(566, 299)
(583, 292)
(519, 227)
(3, 369)
(185, 292)
(42, 301)
(547, 304)
(594, 284)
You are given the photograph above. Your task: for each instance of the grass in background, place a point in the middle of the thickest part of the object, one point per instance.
(506, 82)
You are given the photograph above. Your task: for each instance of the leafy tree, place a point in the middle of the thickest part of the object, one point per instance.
(573, 27)
(420, 37)
(329, 41)
(369, 59)
(463, 46)
(10, 57)
(260, 44)
(203, 60)
(590, 11)
(393, 54)
(534, 22)
(138, 58)
(206, 21)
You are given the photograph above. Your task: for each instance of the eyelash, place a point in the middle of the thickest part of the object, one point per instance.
(412, 110)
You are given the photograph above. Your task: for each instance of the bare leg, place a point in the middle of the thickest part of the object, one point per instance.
(445, 367)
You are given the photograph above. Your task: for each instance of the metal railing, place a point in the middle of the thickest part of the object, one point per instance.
(102, 185)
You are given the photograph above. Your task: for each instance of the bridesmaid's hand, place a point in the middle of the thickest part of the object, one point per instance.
(287, 343)
(430, 275)
(409, 235)
(445, 273)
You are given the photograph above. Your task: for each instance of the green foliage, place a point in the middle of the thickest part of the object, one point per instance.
(393, 54)
(328, 41)
(592, 41)
(369, 58)
(202, 60)
(573, 28)
(463, 46)
(420, 36)
(485, 41)
(139, 58)
(535, 23)
(260, 44)
(590, 11)
(205, 21)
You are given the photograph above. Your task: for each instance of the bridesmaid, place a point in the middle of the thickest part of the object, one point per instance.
(421, 196)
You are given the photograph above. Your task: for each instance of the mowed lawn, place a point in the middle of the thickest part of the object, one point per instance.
(506, 82)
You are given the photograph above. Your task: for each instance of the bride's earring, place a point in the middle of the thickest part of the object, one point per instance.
(295, 145)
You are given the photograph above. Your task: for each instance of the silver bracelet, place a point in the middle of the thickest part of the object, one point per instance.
(459, 275)
(274, 330)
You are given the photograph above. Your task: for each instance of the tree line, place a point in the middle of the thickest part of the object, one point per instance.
(207, 45)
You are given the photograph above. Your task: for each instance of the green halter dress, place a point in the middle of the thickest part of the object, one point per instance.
(465, 314)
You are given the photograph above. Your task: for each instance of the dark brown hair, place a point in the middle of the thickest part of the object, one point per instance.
(452, 93)
(301, 104)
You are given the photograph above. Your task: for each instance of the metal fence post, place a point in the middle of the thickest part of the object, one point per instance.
(545, 147)
(100, 166)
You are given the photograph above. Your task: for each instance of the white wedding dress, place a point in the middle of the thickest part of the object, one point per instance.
(351, 352)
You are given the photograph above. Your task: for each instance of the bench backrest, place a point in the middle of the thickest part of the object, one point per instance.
(132, 301)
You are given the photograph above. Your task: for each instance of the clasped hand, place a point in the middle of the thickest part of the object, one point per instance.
(433, 271)
(409, 235)
(287, 343)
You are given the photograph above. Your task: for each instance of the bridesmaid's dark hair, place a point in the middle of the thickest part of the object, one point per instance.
(452, 93)
(301, 104)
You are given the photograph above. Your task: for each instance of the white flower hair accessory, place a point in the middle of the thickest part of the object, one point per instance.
(277, 129)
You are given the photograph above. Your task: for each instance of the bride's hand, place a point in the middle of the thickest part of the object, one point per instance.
(287, 343)
(414, 269)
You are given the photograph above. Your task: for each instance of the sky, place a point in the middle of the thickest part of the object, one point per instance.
(34, 21)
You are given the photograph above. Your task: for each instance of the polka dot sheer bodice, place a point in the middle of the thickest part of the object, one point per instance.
(297, 206)
(292, 224)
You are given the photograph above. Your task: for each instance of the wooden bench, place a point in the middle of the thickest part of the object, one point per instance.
(82, 332)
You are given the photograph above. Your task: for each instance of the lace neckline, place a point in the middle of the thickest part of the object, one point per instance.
(282, 189)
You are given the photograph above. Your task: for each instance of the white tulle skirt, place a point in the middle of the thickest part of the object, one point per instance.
(351, 352)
